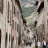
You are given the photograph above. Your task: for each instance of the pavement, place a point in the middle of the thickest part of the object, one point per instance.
(27, 46)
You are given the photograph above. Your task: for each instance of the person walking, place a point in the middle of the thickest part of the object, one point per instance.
(22, 43)
(39, 44)
(44, 43)
(33, 44)
(47, 45)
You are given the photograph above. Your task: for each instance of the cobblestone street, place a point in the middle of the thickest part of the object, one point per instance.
(26, 47)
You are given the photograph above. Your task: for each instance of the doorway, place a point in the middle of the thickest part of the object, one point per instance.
(0, 38)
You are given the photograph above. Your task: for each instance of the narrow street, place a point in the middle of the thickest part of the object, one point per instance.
(28, 46)
(23, 23)
(25, 47)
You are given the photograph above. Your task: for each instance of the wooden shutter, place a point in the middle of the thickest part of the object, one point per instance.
(1, 6)
(8, 10)
(13, 24)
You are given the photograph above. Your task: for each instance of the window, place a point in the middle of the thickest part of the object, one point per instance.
(15, 12)
(18, 28)
(1, 6)
(22, 33)
(25, 28)
(43, 27)
(47, 24)
(47, 14)
(35, 23)
(13, 24)
(10, 20)
(18, 15)
(9, 37)
(8, 11)
(13, 9)
(47, 0)
(10, 17)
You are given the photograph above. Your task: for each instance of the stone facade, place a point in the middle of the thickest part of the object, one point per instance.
(40, 26)
(42, 19)
(11, 23)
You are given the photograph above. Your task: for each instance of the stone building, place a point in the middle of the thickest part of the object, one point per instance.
(42, 19)
(11, 23)
(40, 22)
(3, 22)
(46, 18)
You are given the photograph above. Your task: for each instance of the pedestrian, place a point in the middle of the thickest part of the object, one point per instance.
(22, 42)
(47, 45)
(39, 44)
(33, 44)
(44, 43)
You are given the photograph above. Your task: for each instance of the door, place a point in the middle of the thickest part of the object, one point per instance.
(0, 38)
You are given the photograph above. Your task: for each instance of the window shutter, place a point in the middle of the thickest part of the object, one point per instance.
(14, 9)
(13, 24)
(47, 0)
(17, 27)
(8, 10)
(1, 5)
